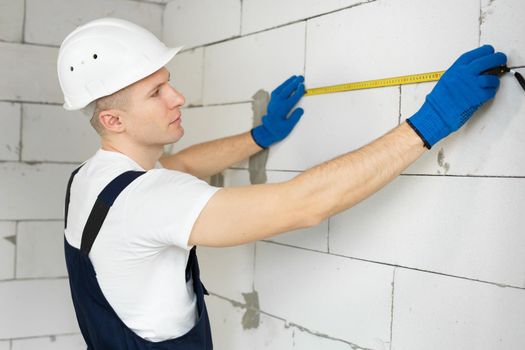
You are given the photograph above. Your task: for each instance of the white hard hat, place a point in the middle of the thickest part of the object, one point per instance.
(104, 56)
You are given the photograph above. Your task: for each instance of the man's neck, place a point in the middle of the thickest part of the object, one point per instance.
(146, 157)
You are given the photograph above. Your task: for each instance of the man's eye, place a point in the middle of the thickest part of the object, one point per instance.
(155, 93)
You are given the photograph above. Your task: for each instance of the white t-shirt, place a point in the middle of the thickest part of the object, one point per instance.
(141, 251)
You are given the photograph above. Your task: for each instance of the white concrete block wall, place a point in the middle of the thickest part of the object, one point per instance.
(410, 39)
(347, 299)
(40, 144)
(335, 124)
(11, 20)
(36, 308)
(235, 70)
(476, 234)
(73, 141)
(40, 251)
(194, 23)
(63, 342)
(420, 265)
(367, 277)
(29, 73)
(187, 70)
(500, 22)
(7, 249)
(70, 14)
(452, 313)
(10, 130)
(228, 271)
(261, 15)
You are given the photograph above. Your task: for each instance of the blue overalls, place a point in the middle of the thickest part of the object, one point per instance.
(101, 328)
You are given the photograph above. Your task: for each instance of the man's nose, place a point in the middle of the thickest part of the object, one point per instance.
(176, 99)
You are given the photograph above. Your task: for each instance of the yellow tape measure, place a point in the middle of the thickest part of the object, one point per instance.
(369, 84)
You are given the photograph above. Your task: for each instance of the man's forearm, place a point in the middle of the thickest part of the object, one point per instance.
(209, 158)
(344, 181)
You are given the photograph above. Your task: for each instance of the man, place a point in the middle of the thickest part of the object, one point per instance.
(134, 217)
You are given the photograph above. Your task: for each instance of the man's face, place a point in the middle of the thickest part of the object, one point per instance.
(154, 113)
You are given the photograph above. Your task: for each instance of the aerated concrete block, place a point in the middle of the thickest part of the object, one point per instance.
(67, 15)
(235, 70)
(339, 297)
(236, 328)
(51, 133)
(335, 124)
(10, 114)
(186, 70)
(29, 73)
(389, 38)
(61, 342)
(28, 313)
(502, 26)
(11, 20)
(440, 312)
(40, 250)
(7, 249)
(260, 15)
(228, 271)
(195, 23)
(232, 330)
(33, 191)
(461, 226)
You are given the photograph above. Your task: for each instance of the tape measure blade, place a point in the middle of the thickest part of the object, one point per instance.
(370, 84)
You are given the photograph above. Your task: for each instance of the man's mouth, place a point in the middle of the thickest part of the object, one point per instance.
(175, 120)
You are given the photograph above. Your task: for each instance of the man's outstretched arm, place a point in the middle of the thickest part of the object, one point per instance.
(238, 215)
(209, 158)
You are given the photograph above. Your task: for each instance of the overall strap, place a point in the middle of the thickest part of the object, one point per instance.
(100, 209)
(68, 193)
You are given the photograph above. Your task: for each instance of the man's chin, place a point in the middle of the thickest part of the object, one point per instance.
(178, 136)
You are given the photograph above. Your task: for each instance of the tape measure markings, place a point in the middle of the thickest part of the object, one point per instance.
(369, 84)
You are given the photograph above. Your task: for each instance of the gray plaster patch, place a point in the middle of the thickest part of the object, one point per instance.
(257, 162)
(251, 318)
(11, 239)
(217, 180)
(441, 161)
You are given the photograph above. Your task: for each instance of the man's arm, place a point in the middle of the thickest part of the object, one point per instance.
(209, 158)
(238, 215)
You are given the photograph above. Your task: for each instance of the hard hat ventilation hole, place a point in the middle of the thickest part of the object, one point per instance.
(95, 56)
(71, 68)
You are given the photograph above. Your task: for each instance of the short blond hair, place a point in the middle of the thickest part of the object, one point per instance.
(118, 100)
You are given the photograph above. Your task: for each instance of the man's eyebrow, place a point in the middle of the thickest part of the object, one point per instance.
(156, 87)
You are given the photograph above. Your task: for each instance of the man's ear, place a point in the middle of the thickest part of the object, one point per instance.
(112, 120)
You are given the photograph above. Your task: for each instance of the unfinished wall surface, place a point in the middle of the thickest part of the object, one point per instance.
(433, 261)
(40, 144)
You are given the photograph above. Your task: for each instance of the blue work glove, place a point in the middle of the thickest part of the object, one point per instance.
(275, 124)
(457, 95)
